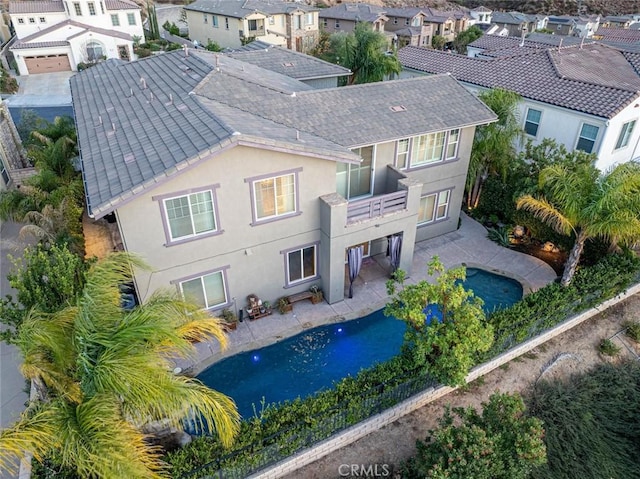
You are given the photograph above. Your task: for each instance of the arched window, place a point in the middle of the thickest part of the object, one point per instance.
(94, 51)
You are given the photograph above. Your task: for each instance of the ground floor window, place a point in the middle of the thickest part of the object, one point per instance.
(301, 264)
(208, 291)
(434, 207)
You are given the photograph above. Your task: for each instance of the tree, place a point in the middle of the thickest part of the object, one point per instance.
(446, 323)
(438, 42)
(500, 443)
(494, 144)
(363, 51)
(465, 37)
(579, 200)
(102, 373)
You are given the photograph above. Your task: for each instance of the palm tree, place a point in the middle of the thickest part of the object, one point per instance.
(51, 225)
(103, 373)
(363, 51)
(583, 202)
(494, 145)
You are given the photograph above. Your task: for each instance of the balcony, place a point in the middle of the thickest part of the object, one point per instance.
(369, 208)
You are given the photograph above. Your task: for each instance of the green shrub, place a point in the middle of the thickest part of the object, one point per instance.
(501, 235)
(496, 199)
(608, 347)
(632, 329)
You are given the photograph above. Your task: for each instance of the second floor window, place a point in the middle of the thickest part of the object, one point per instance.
(532, 122)
(131, 18)
(115, 20)
(253, 25)
(427, 149)
(21, 20)
(297, 22)
(587, 138)
(214, 21)
(417, 21)
(78, 10)
(275, 196)
(337, 23)
(309, 19)
(92, 8)
(190, 215)
(324, 22)
(354, 180)
(226, 23)
(625, 134)
(204, 17)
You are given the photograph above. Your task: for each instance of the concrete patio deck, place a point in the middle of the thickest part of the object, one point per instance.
(468, 245)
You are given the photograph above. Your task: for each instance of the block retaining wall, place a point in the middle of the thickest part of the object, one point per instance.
(390, 415)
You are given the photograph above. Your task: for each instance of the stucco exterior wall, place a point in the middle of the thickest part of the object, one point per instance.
(203, 32)
(253, 252)
(608, 153)
(28, 28)
(345, 25)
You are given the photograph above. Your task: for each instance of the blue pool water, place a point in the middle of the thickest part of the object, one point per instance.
(315, 359)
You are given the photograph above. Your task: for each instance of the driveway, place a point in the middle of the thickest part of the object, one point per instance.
(48, 94)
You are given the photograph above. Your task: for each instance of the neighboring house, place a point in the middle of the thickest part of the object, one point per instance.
(233, 23)
(12, 159)
(232, 180)
(5, 31)
(613, 21)
(408, 24)
(309, 70)
(617, 35)
(515, 23)
(481, 17)
(57, 35)
(585, 97)
(563, 25)
(344, 16)
(173, 14)
(586, 26)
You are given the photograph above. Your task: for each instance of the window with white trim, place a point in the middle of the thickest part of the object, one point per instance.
(274, 196)
(402, 153)
(131, 18)
(226, 23)
(324, 22)
(587, 138)
(309, 19)
(625, 134)
(92, 8)
(337, 24)
(354, 180)
(43, 20)
(434, 207)
(21, 20)
(115, 20)
(204, 17)
(207, 291)
(32, 20)
(77, 8)
(95, 51)
(214, 21)
(301, 264)
(428, 148)
(417, 21)
(532, 122)
(453, 139)
(190, 215)
(297, 22)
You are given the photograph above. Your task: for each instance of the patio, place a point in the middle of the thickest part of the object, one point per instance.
(468, 245)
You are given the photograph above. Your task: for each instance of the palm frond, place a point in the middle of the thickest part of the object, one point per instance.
(546, 212)
(34, 433)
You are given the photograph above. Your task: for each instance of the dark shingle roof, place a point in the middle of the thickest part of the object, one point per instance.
(121, 5)
(21, 45)
(143, 121)
(356, 115)
(407, 12)
(497, 46)
(513, 18)
(242, 8)
(287, 62)
(597, 80)
(36, 6)
(353, 11)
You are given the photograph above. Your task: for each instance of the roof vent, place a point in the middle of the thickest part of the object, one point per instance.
(129, 158)
(288, 64)
(397, 108)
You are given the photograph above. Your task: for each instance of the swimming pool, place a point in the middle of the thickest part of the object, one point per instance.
(315, 359)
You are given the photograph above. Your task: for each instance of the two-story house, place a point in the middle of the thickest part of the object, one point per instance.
(408, 24)
(617, 21)
(481, 17)
(233, 23)
(57, 35)
(344, 16)
(561, 25)
(583, 96)
(255, 183)
(586, 25)
(515, 23)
